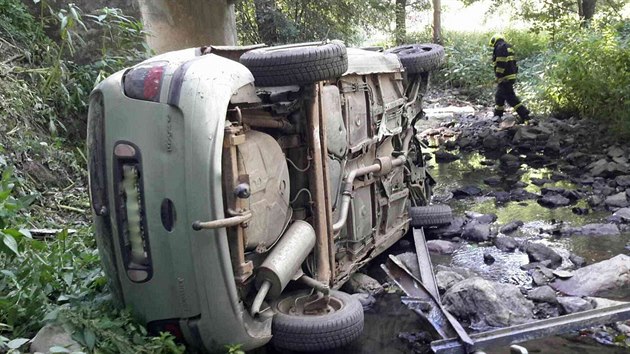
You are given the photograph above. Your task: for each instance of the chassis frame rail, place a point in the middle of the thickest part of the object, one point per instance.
(534, 330)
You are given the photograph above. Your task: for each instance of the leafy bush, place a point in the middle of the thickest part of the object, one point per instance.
(469, 58)
(589, 74)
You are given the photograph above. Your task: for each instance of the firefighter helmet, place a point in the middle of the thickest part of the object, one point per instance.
(495, 39)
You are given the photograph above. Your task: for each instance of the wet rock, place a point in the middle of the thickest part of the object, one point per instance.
(542, 276)
(488, 258)
(562, 274)
(615, 151)
(543, 294)
(546, 310)
(540, 181)
(605, 168)
(537, 252)
(519, 195)
(597, 279)
(525, 135)
(552, 147)
(52, 335)
(481, 218)
(488, 304)
(505, 243)
(494, 141)
(577, 260)
(595, 200)
(578, 159)
(464, 272)
(501, 197)
(446, 279)
(571, 304)
(363, 283)
(443, 156)
(621, 216)
(553, 190)
(492, 181)
(592, 230)
(618, 200)
(580, 211)
(509, 162)
(476, 232)
(623, 181)
(366, 300)
(519, 184)
(468, 191)
(441, 246)
(511, 227)
(450, 230)
(553, 200)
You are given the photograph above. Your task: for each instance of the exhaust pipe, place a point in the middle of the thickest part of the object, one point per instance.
(283, 263)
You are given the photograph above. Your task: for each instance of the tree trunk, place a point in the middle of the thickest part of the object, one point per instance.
(437, 21)
(188, 23)
(266, 12)
(588, 9)
(401, 24)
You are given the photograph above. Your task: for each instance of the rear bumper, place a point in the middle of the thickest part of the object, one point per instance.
(181, 145)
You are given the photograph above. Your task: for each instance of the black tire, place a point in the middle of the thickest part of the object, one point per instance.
(431, 215)
(306, 333)
(419, 58)
(296, 64)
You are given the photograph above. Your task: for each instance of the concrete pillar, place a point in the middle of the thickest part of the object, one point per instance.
(179, 24)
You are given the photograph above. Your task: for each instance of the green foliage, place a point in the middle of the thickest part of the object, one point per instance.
(10, 206)
(469, 58)
(45, 86)
(306, 21)
(589, 74)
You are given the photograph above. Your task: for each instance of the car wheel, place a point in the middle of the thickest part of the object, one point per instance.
(431, 215)
(295, 330)
(296, 64)
(418, 58)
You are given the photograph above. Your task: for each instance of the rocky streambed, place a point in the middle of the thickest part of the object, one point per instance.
(541, 229)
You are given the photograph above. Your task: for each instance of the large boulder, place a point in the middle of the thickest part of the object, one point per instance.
(363, 283)
(53, 335)
(442, 246)
(488, 304)
(571, 304)
(446, 279)
(592, 230)
(537, 252)
(454, 228)
(618, 200)
(476, 232)
(611, 276)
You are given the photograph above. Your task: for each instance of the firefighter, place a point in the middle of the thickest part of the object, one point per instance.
(505, 70)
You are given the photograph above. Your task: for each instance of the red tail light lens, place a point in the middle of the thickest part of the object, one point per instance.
(144, 82)
(168, 326)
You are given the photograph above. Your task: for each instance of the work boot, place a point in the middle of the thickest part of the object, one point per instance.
(523, 114)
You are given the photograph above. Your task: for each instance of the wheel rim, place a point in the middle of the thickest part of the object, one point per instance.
(295, 306)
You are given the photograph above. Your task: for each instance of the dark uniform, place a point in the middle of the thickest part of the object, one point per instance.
(505, 70)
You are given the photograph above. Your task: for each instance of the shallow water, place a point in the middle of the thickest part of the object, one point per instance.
(389, 317)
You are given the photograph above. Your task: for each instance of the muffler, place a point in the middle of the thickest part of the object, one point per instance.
(283, 262)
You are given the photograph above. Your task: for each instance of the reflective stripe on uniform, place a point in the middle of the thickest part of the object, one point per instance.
(499, 70)
(504, 59)
(518, 105)
(507, 77)
(499, 108)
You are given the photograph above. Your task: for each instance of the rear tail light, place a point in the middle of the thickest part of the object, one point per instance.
(130, 212)
(166, 326)
(144, 82)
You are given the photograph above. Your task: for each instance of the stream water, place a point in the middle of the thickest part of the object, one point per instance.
(389, 318)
